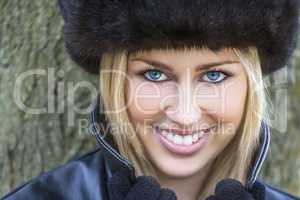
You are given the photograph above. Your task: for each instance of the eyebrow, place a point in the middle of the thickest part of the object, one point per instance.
(198, 67)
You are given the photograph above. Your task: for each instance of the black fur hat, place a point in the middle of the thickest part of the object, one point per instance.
(93, 27)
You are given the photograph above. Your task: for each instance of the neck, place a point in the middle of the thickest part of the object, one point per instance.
(187, 188)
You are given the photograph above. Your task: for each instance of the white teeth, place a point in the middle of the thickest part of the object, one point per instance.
(177, 139)
(195, 137)
(182, 140)
(164, 133)
(170, 137)
(188, 139)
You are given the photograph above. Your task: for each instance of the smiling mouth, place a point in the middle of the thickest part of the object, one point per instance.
(186, 139)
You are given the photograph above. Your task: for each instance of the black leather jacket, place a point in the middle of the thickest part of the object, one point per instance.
(85, 178)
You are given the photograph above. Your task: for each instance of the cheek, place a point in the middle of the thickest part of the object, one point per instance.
(142, 99)
(224, 102)
(235, 99)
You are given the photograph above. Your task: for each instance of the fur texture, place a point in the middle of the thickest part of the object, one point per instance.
(93, 27)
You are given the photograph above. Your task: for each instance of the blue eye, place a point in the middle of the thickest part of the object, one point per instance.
(154, 75)
(215, 76)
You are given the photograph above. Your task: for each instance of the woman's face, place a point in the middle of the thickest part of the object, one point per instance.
(185, 105)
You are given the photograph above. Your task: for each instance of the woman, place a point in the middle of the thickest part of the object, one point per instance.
(181, 112)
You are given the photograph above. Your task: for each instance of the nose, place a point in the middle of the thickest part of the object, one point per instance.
(182, 109)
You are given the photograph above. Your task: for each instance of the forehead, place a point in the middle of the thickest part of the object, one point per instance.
(203, 53)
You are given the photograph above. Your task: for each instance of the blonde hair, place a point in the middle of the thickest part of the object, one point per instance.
(233, 162)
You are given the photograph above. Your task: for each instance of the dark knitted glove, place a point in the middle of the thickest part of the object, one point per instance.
(258, 191)
(231, 189)
(145, 188)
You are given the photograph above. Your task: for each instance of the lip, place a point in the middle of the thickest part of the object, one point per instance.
(183, 149)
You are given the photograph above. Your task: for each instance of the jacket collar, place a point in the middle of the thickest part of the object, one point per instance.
(116, 162)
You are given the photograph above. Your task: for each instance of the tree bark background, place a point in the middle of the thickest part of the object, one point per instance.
(30, 39)
(30, 144)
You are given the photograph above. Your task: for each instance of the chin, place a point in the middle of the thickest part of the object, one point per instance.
(179, 167)
(180, 172)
